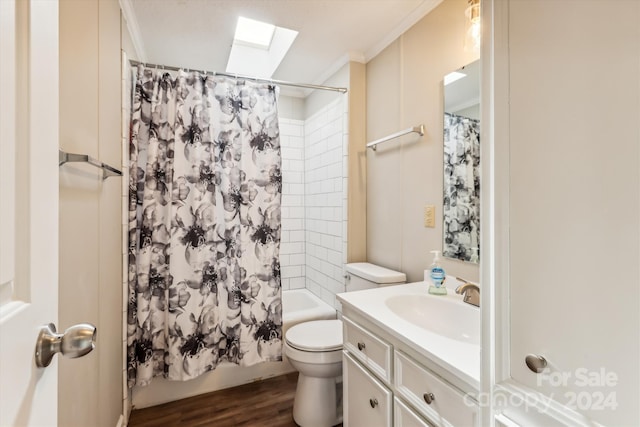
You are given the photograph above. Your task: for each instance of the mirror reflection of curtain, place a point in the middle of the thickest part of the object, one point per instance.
(461, 209)
(204, 225)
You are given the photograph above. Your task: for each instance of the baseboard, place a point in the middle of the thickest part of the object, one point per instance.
(120, 421)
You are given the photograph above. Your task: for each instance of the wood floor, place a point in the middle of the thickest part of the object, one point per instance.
(267, 403)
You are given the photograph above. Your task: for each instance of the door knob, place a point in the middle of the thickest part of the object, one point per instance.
(76, 341)
(536, 363)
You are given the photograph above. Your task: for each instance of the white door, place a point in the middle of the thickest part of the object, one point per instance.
(28, 207)
(567, 216)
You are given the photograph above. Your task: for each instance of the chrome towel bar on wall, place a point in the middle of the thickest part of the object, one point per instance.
(64, 157)
(417, 129)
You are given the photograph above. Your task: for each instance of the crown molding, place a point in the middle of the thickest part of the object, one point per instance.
(409, 21)
(337, 65)
(134, 29)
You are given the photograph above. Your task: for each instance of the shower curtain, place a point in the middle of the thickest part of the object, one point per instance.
(204, 225)
(461, 208)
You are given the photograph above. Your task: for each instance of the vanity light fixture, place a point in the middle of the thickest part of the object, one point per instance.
(472, 27)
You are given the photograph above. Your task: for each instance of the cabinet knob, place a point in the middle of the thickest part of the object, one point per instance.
(429, 397)
(373, 402)
(536, 363)
(361, 346)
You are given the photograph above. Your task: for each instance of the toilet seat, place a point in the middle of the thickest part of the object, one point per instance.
(316, 336)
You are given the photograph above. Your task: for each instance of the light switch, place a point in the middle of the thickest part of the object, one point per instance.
(430, 216)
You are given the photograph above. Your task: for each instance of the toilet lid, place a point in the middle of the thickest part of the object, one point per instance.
(317, 335)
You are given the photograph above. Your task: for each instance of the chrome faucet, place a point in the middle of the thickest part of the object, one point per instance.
(470, 293)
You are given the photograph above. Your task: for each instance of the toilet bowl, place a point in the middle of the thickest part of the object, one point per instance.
(315, 350)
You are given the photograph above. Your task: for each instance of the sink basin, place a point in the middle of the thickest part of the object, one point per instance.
(444, 316)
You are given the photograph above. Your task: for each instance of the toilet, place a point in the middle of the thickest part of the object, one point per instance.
(314, 349)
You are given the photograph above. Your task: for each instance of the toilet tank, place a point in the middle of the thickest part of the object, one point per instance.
(362, 275)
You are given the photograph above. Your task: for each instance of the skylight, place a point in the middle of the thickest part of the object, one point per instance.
(453, 76)
(254, 33)
(258, 48)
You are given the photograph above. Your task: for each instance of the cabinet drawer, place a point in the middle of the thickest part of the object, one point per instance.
(373, 352)
(403, 416)
(367, 402)
(449, 407)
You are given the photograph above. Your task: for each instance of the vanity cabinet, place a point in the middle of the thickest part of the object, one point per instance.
(385, 386)
(431, 395)
(405, 416)
(367, 401)
(371, 351)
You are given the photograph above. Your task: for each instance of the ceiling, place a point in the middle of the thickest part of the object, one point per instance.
(198, 34)
(465, 92)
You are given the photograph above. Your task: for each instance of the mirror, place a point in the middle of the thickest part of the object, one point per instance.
(461, 207)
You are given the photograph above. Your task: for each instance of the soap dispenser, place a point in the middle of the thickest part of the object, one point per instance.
(437, 276)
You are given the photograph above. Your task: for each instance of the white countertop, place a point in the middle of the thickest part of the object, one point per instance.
(456, 357)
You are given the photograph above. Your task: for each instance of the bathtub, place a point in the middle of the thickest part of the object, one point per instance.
(301, 305)
(298, 305)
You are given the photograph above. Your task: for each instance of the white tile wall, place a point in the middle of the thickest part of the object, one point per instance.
(292, 260)
(325, 159)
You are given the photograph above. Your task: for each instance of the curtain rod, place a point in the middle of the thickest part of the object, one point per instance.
(240, 76)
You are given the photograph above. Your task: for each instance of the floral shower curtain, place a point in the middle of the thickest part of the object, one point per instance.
(204, 225)
(461, 210)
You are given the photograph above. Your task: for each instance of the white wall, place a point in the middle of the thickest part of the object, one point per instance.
(472, 112)
(314, 194)
(291, 107)
(404, 89)
(292, 250)
(319, 99)
(90, 389)
(326, 148)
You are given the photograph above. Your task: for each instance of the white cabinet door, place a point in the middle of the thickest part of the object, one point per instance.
(367, 402)
(403, 416)
(571, 288)
(28, 207)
